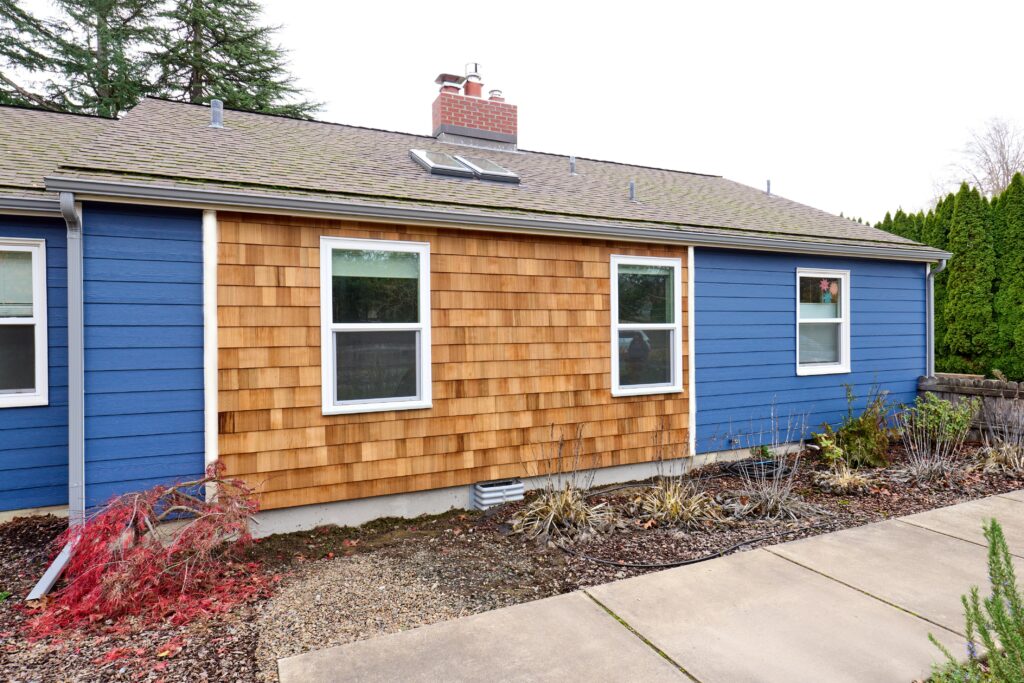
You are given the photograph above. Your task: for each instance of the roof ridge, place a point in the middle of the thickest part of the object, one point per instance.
(43, 110)
(431, 137)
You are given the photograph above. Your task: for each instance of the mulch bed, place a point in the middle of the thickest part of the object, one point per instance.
(345, 584)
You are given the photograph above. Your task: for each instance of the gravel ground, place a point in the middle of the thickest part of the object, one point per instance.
(342, 584)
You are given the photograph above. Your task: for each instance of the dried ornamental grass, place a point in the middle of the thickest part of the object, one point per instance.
(769, 494)
(1004, 438)
(561, 513)
(678, 502)
(843, 480)
(561, 508)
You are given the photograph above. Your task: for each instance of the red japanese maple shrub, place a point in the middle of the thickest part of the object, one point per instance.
(123, 570)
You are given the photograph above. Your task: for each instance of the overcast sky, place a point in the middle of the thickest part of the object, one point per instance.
(856, 108)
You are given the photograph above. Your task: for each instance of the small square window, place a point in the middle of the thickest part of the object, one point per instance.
(823, 322)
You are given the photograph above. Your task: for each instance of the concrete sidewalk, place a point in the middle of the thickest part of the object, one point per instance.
(855, 605)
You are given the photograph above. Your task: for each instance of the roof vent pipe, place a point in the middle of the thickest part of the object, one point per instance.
(632, 190)
(769, 190)
(572, 165)
(216, 113)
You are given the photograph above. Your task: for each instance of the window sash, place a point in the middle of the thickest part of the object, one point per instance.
(842, 365)
(38, 394)
(329, 328)
(675, 385)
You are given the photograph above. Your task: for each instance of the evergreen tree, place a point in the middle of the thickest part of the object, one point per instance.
(1009, 303)
(218, 49)
(886, 223)
(92, 58)
(970, 334)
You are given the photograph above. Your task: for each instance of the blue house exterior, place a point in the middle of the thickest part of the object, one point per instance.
(143, 276)
(34, 439)
(746, 345)
(135, 244)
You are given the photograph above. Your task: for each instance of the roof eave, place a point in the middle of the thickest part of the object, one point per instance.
(242, 200)
(29, 206)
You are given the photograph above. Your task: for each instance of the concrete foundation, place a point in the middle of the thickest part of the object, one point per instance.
(408, 505)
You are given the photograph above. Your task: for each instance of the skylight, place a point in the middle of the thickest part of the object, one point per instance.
(439, 163)
(486, 169)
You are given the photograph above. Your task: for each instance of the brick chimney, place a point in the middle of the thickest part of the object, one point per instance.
(467, 118)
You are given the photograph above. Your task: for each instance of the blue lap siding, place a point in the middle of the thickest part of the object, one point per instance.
(745, 320)
(34, 440)
(144, 348)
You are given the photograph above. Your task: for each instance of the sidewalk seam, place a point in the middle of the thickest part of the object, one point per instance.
(661, 653)
(903, 520)
(864, 592)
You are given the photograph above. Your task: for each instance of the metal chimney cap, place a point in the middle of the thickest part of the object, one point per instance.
(216, 113)
(473, 72)
(449, 78)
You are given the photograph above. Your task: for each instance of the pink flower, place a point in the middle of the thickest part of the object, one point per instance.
(824, 285)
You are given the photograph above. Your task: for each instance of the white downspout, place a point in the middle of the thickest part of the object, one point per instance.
(72, 213)
(930, 274)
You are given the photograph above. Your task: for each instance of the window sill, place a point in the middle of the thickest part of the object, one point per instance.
(23, 401)
(646, 391)
(354, 408)
(823, 370)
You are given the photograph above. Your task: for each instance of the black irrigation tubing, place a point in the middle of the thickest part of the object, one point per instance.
(692, 560)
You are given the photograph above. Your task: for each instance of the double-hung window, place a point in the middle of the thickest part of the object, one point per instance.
(375, 325)
(822, 321)
(23, 353)
(647, 327)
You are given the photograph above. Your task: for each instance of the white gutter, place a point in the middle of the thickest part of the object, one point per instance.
(241, 199)
(930, 274)
(72, 213)
(28, 206)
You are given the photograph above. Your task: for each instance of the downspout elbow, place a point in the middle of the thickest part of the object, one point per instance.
(70, 212)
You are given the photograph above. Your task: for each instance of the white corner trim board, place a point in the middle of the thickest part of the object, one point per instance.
(210, 385)
(691, 335)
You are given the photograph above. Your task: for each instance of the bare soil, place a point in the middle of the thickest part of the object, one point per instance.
(344, 584)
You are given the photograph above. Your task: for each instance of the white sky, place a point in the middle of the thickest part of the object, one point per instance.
(859, 107)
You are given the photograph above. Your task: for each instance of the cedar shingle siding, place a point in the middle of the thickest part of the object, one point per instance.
(520, 343)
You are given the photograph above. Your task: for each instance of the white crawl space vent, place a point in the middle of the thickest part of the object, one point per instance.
(490, 493)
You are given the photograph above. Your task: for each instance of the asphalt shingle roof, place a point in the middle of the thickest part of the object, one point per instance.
(32, 144)
(171, 144)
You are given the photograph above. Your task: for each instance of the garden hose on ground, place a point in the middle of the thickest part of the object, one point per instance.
(692, 560)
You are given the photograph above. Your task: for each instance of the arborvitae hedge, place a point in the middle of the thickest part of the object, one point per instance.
(1010, 269)
(979, 298)
(970, 319)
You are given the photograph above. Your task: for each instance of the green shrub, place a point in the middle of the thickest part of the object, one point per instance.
(997, 623)
(863, 438)
(943, 419)
(933, 431)
(829, 451)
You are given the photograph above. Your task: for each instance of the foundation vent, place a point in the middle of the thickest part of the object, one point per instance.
(490, 493)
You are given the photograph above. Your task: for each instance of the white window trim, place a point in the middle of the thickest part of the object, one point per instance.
(843, 366)
(328, 327)
(676, 386)
(41, 395)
